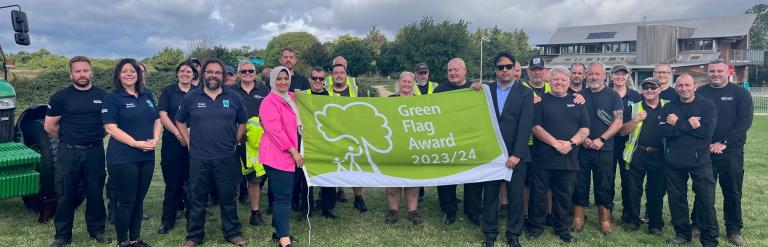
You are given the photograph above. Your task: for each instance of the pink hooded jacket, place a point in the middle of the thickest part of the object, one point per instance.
(280, 133)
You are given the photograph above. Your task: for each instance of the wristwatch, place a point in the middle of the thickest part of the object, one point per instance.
(601, 139)
(573, 144)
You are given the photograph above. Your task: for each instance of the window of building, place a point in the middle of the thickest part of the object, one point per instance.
(698, 45)
(601, 35)
(571, 49)
(594, 48)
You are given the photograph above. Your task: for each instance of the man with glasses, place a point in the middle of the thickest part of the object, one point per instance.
(253, 93)
(663, 74)
(423, 86)
(288, 59)
(212, 120)
(644, 157)
(317, 81)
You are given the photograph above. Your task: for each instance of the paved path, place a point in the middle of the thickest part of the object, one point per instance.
(383, 91)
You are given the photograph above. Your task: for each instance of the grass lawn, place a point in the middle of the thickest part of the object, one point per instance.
(18, 226)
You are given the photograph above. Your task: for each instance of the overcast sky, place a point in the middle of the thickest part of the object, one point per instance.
(140, 28)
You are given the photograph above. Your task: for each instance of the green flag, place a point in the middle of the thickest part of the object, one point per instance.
(437, 139)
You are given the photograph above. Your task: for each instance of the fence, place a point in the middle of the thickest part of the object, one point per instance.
(760, 99)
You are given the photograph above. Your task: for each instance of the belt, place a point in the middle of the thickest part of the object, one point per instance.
(76, 146)
(647, 149)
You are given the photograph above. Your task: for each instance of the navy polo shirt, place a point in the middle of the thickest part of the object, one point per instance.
(169, 102)
(212, 123)
(134, 115)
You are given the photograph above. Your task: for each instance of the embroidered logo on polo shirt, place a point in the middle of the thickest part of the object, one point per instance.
(149, 102)
(104, 110)
(226, 103)
(570, 105)
(726, 98)
(96, 101)
(129, 105)
(201, 105)
(258, 97)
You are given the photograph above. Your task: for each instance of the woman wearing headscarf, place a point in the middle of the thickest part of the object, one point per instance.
(279, 148)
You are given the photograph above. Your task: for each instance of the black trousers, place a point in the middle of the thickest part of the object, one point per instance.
(75, 167)
(597, 167)
(327, 198)
(131, 183)
(704, 188)
(446, 195)
(175, 166)
(473, 199)
(729, 169)
(490, 207)
(222, 175)
(652, 165)
(561, 183)
(300, 193)
(618, 160)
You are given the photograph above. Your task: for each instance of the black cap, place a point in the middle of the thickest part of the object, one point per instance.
(536, 62)
(421, 67)
(229, 69)
(620, 67)
(650, 80)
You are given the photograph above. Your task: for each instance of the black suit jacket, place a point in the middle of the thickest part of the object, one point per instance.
(515, 119)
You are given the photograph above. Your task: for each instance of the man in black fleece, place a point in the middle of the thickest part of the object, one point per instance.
(687, 125)
(734, 108)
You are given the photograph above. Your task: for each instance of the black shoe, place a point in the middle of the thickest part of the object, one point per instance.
(449, 218)
(654, 231)
(532, 235)
(415, 218)
(60, 243)
(678, 241)
(102, 238)
(514, 243)
(124, 244)
(164, 229)
(488, 242)
(328, 213)
(341, 197)
(391, 217)
(566, 237)
(139, 243)
(256, 219)
(360, 204)
(631, 227)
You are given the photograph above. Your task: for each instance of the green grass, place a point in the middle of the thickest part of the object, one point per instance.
(18, 226)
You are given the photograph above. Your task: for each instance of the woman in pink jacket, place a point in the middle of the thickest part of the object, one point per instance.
(279, 150)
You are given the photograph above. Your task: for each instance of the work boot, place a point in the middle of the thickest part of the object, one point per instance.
(578, 218)
(605, 220)
(736, 239)
(360, 204)
(256, 219)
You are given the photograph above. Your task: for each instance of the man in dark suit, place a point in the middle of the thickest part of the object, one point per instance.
(513, 105)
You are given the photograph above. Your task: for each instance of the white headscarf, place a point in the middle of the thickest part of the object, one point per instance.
(286, 98)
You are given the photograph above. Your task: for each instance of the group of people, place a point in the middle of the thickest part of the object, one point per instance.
(566, 130)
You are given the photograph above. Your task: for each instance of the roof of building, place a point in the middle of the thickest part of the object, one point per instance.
(705, 27)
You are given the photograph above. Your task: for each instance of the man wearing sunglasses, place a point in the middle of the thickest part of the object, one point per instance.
(643, 157)
(423, 85)
(253, 93)
(317, 81)
(288, 59)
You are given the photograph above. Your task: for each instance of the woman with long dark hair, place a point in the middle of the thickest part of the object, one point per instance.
(174, 154)
(279, 148)
(130, 117)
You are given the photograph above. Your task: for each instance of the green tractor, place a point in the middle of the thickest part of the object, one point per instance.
(27, 153)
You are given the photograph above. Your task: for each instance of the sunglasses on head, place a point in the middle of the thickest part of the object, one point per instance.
(247, 71)
(505, 66)
(317, 78)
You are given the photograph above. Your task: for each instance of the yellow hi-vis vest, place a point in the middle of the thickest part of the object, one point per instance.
(547, 89)
(631, 145)
(253, 132)
(351, 85)
(430, 88)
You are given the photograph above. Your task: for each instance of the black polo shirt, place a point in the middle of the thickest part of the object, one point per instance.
(562, 119)
(252, 99)
(298, 82)
(170, 100)
(134, 115)
(669, 94)
(447, 86)
(212, 123)
(602, 103)
(80, 113)
(734, 113)
(649, 132)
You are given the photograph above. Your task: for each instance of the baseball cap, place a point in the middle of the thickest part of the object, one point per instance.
(620, 67)
(536, 62)
(650, 80)
(421, 67)
(229, 69)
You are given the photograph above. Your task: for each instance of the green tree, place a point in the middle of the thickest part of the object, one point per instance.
(758, 39)
(167, 59)
(356, 52)
(298, 41)
(494, 41)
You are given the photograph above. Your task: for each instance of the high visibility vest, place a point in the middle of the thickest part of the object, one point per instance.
(351, 85)
(547, 89)
(631, 145)
(430, 88)
(253, 132)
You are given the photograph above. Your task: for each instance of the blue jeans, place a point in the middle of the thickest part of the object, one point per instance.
(281, 186)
